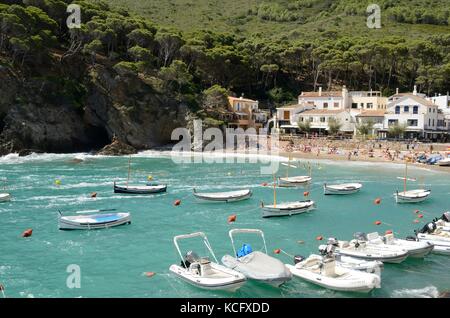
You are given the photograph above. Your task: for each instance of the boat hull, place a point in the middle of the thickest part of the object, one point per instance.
(355, 285)
(211, 198)
(67, 224)
(399, 198)
(330, 190)
(130, 190)
(225, 284)
(270, 211)
(294, 181)
(5, 197)
(394, 258)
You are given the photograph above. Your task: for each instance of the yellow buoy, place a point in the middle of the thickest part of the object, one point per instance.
(58, 182)
(149, 178)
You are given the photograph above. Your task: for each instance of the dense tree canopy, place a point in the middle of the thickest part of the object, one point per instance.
(32, 31)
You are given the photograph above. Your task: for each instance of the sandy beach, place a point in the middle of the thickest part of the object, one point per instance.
(362, 151)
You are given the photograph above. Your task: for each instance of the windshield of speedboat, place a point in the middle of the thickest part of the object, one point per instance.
(254, 241)
(196, 246)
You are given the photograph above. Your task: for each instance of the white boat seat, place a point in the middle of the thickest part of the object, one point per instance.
(372, 236)
(344, 244)
(329, 268)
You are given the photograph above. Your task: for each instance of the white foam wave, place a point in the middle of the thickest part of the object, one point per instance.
(426, 292)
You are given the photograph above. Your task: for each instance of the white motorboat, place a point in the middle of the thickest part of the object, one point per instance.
(348, 262)
(4, 197)
(415, 249)
(287, 208)
(140, 189)
(412, 196)
(229, 196)
(201, 272)
(343, 188)
(93, 221)
(432, 234)
(256, 265)
(444, 162)
(325, 272)
(360, 249)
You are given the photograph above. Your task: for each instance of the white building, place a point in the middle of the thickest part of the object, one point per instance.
(418, 115)
(319, 119)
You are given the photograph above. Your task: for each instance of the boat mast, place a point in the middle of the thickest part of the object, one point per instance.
(129, 170)
(406, 175)
(274, 192)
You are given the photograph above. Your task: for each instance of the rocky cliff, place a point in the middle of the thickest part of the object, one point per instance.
(84, 111)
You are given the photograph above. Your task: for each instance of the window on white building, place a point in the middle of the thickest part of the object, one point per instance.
(415, 109)
(397, 109)
(406, 109)
(322, 119)
(354, 105)
(336, 105)
(369, 105)
(413, 122)
(325, 105)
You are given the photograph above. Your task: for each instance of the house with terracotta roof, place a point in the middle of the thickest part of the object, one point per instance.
(246, 113)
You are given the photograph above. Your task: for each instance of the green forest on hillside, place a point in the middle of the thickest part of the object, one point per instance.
(268, 50)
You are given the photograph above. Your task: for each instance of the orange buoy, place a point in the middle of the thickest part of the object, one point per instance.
(388, 232)
(377, 201)
(416, 221)
(416, 211)
(420, 216)
(27, 233)
(93, 194)
(232, 218)
(277, 251)
(377, 222)
(319, 238)
(150, 274)
(306, 193)
(177, 202)
(264, 184)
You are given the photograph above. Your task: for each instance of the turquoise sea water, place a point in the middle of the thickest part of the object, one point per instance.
(113, 261)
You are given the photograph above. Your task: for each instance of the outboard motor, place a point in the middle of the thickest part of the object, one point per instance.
(446, 216)
(360, 236)
(332, 241)
(428, 228)
(298, 259)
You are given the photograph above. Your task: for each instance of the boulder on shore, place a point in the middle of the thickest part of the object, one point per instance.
(117, 148)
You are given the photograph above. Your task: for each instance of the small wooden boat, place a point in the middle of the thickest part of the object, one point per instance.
(294, 181)
(229, 196)
(344, 188)
(93, 221)
(287, 208)
(4, 197)
(410, 196)
(140, 189)
(201, 272)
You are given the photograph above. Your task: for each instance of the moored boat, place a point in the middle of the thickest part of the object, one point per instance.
(415, 249)
(287, 208)
(325, 272)
(93, 221)
(4, 197)
(343, 188)
(294, 181)
(412, 196)
(140, 189)
(229, 196)
(360, 249)
(256, 265)
(444, 162)
(201, 272)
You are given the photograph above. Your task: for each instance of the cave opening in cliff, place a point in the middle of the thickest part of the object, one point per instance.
(98, 137)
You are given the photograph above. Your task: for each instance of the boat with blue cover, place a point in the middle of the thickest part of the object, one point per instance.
(93, 221)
